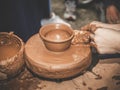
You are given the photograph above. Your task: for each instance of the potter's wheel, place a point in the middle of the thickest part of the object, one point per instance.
(56, 65)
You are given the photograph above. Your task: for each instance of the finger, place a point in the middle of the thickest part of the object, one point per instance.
(109, 19)
(95, 23)
(93, 28)
(98, 24)
(118, 21)
(86, 27)
(114, 19)
(92, 37)
(93, 44)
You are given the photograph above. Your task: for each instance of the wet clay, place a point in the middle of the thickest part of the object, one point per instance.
(8, 47)
(11, 55)
(55, 65)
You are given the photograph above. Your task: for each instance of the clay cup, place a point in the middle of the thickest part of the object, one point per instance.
(57, 37)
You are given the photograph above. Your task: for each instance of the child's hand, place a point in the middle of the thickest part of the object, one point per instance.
(112, 14)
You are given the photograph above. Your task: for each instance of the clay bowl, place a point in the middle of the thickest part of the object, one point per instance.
(11, 55)
(56, 37)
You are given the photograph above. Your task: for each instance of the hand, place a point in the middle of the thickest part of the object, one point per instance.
(112, 14)
(105, 40)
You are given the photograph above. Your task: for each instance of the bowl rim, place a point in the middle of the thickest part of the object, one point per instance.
(62, 41)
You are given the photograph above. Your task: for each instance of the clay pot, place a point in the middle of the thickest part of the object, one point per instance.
(11, 55)
(56, 37)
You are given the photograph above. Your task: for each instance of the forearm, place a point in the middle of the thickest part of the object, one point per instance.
(105, 25)
(111, 26)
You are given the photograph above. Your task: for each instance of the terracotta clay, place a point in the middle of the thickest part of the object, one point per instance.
(56, 37)
(56, 65)
(11, 55)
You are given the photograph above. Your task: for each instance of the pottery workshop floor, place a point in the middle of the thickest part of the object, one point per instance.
(105, 74)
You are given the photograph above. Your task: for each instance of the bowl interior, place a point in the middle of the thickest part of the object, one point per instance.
(9, 46)
(57, 35)
(56, 32)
